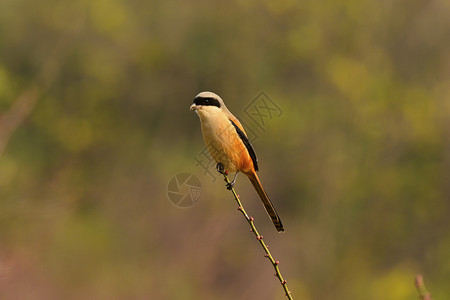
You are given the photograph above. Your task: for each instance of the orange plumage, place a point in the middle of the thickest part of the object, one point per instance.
(228, 144)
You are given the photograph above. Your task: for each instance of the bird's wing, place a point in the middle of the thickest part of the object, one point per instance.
(248, 145)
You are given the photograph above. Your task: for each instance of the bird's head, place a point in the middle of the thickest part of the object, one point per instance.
(207, 101)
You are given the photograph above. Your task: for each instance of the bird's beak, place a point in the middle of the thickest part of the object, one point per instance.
(193, 107)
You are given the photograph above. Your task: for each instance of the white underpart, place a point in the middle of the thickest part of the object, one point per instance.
(219, 135)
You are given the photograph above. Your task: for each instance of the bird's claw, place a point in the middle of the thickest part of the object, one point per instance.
(230, 185)
(220, 168)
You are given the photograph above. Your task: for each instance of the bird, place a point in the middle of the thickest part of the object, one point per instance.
(229, 145)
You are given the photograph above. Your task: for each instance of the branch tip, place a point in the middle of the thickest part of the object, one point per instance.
(423, 292)
(254, 230)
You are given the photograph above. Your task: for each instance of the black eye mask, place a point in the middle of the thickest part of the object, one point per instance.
(207, 101)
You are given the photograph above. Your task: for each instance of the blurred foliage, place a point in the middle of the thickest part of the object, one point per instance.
(358, 164)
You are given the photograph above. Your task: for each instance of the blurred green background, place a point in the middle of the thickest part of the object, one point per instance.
(95, 121)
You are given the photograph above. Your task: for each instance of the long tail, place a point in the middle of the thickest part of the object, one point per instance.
(265, 200)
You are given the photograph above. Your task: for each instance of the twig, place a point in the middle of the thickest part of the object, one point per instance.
(423, 292)
(259, 237)
(27, 99)
(48, 73)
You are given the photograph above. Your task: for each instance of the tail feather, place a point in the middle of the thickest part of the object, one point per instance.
(266, 201)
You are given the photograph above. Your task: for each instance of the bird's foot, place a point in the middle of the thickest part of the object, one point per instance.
(230, 185)
(221, 169)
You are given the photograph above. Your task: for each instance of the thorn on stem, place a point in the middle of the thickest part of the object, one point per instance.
(251, 219)
(266, 255)
(240, 208)
(277, 262)
(284, 282)
(259, 237)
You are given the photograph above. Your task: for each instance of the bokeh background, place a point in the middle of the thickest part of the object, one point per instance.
(95, 121)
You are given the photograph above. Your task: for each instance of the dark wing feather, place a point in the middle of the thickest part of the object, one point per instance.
(247, 144)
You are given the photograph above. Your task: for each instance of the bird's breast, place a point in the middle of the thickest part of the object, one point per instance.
(224, 144)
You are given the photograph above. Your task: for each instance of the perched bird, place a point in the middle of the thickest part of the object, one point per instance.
(229, 146)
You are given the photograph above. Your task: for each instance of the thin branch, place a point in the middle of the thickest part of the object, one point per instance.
(250, 221)
(27, 99)
(423, 292)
